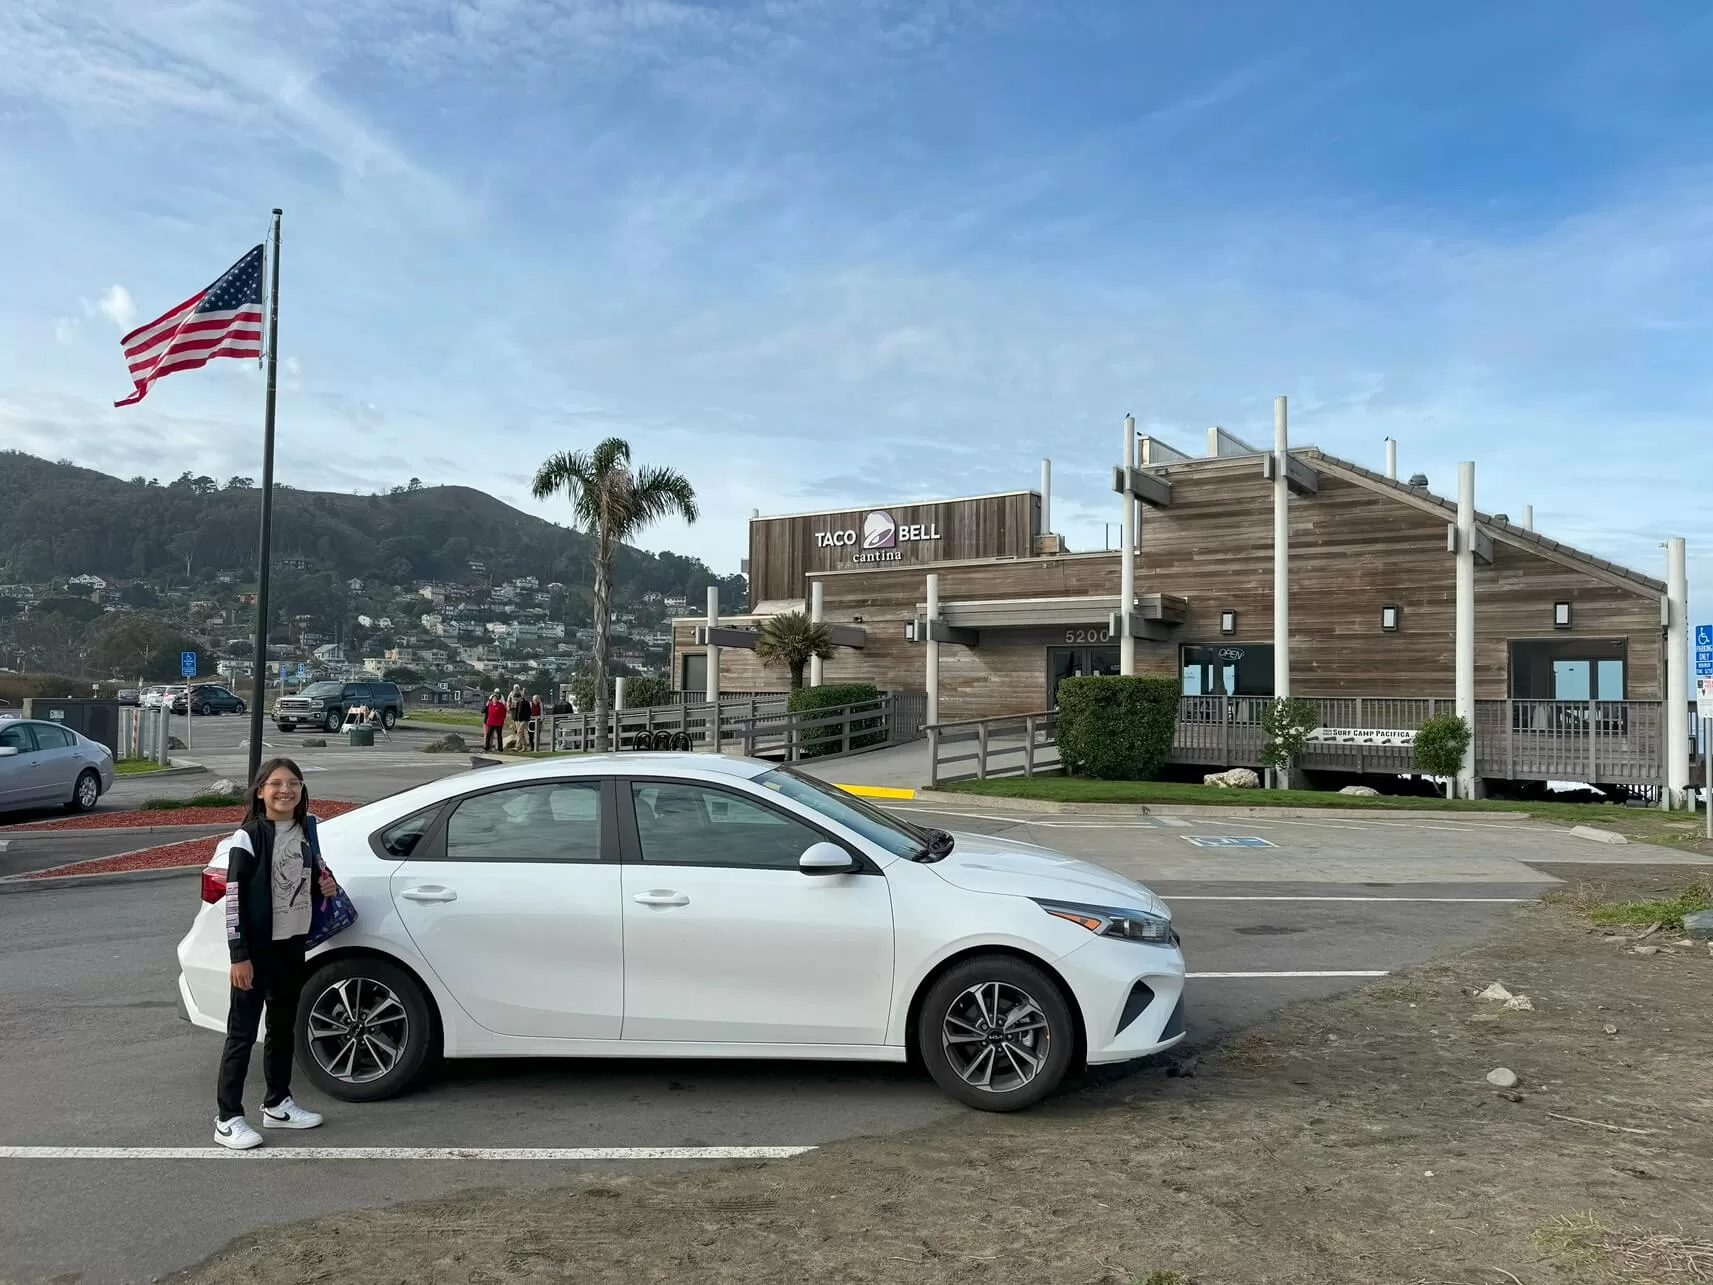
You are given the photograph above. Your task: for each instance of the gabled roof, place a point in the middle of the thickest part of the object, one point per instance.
(1500, 529)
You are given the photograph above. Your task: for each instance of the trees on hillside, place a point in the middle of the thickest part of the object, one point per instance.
(614, 503)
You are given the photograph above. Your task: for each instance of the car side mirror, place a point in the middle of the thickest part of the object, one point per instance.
(11, 751)
(826, 859)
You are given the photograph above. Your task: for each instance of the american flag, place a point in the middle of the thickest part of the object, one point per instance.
(225, 320)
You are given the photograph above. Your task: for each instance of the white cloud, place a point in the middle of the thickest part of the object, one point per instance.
(65, 330)
(117, 306)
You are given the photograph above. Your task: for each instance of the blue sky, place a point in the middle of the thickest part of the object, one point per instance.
(827, 251)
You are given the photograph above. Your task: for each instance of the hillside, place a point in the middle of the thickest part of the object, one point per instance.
(59, 520)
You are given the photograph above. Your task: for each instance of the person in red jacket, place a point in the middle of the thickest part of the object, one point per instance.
(494, 724)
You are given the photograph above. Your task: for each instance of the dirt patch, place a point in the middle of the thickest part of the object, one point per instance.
(1352, 1141)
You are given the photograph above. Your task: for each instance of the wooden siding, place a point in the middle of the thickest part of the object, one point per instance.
(1353, 550)
(783, 552)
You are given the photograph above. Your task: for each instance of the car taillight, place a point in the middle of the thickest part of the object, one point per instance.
(213, 884)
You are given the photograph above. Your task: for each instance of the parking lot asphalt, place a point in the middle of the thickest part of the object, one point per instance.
(92, 1053)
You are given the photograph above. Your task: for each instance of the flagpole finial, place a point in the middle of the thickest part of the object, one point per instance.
(278, 211)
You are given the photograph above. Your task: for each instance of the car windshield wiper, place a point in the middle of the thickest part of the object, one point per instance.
(936, 845)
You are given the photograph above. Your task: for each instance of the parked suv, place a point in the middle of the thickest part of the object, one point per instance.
(208, 698)
(324, 704)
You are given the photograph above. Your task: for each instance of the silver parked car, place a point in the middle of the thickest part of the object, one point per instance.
(43, 764)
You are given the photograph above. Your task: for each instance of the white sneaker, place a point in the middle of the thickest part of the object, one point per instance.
(236, 1133)
(288, 1115)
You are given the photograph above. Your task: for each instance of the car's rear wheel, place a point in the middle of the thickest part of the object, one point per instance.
(205, 709)
(363, 1029)
(996, 1033)
(86, 793)
(389, 719)
(334, 720)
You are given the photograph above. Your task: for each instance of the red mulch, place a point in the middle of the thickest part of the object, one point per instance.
(232, 816)
(192, 852)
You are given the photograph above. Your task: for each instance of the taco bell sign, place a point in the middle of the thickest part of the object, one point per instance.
(880, 539)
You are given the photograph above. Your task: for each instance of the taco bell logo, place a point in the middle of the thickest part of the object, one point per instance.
(880, 538)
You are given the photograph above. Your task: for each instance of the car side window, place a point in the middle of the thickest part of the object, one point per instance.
(20, 737)
(695, 825)
(51, 737)
(558, 821)
(401, 837)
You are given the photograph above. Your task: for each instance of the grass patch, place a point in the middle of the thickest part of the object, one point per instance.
(1653, 1258)
(194, 801)
(1073, 789)
(1163, 1278)
(446, 717)
(136, 767)
(1668, 912)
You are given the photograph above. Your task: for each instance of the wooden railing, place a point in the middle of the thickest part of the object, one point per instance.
(1600, 742)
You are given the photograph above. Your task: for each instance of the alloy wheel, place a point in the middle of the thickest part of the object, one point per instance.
(996, 1037)
(358, 1030)
(88, 791)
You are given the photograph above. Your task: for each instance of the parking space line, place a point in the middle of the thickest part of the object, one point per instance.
(404, 1153)
(1449, 901)
(1305, 973)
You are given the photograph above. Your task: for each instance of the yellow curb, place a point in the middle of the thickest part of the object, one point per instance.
(879, 791)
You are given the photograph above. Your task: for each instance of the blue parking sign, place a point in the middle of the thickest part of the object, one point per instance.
(1704, 635)
(187, 663)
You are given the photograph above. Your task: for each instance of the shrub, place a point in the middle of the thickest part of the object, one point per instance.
(1117, 728)
(195, 801)
(647, 689)
(1441, 742)
(829, 738)
(1286, 723)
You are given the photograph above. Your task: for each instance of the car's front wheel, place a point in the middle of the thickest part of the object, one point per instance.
(205, 709)
(288, 727)
(996, 1033)
(389, 719)
(363, 1029)
(86, 792)
(333, 721)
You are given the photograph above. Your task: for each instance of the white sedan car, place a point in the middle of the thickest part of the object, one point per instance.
(687, 905)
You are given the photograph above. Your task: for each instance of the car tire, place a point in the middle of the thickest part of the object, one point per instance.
(334, 721)
(86, 792)
(1003, 1004)
(205, 709)
(241, 708)
(389, 719)
(390, 1003)
(288, 727)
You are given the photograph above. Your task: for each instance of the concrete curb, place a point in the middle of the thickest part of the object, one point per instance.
(1203, 810)
(186, 767)
(21, 883)
(24, 836)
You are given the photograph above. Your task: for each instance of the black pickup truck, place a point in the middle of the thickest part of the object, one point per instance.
(324, 704)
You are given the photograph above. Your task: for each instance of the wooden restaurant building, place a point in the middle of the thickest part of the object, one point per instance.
(1567, 672)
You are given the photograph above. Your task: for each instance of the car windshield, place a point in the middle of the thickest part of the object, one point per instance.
(322, 689)
(900, 838)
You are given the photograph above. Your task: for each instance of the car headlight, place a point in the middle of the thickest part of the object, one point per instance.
(1112, 921)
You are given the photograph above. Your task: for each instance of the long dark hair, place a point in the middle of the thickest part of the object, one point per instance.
(259, 810)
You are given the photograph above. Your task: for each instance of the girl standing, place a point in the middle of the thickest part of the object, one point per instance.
(273, 866)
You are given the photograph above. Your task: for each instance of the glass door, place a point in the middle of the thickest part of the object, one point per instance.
(1077, 662)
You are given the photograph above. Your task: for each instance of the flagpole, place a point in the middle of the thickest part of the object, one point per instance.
(259, 687)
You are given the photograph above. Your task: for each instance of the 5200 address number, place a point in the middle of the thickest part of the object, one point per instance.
(1088, 635)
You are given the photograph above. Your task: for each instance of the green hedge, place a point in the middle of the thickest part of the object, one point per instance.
(818, 741)
(1118, 728)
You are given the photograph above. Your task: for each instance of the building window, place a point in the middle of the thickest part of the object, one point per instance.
(1227, 622)
(1561, 615)
(695, 673)
(1240, 669)
(1389, 619)
(1569, 669)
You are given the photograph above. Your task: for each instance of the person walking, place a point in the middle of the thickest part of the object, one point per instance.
(517, 705)
(494, 724)
(534, 719)
(273, 867)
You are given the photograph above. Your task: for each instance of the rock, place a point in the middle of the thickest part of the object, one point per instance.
(1185, 1068)
(1699, 925)
(1361, 791)
(1238, 778)
(1645, 950)
(173, 743)
(225, 785)
(1521, 1003)
(451, 743)
(1502, 1077)
(315, 742)
(1496, 991)
(1512, 1097)
(1598, 836)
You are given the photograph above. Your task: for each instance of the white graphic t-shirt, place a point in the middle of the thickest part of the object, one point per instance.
(291, 889)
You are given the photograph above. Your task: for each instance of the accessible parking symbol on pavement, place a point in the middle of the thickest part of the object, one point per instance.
(1229, 841)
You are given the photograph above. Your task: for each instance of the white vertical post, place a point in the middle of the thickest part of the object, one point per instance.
(1528, 517)
(1046, 497)
(713, 670)
(1213, 441)
(1676, 792)
(816, 614)
(1392, 458)
(932, 649)
(1281, 554)
(1464, 629)
(1127, 556)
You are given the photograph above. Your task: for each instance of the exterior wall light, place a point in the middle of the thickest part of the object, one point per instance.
(1228, 622)
(1561, 615)
(1389, 619)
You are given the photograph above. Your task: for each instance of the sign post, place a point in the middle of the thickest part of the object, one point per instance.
(186, 669)
(1704, 715)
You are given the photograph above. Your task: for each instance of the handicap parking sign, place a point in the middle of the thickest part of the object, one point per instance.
(1704, 635)
(187, 664)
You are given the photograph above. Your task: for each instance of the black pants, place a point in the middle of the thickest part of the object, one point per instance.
(494, 739)
(276, 984)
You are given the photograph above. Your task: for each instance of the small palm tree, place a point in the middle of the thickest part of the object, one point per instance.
(792, 639)
(613, 502)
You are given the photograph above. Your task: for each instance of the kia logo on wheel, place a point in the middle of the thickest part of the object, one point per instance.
(879, 531)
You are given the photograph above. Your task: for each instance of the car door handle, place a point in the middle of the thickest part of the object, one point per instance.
(661, 898)
(430, 893)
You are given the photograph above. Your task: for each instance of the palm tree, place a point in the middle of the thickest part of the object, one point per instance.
(792, 639)
(613, 502)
